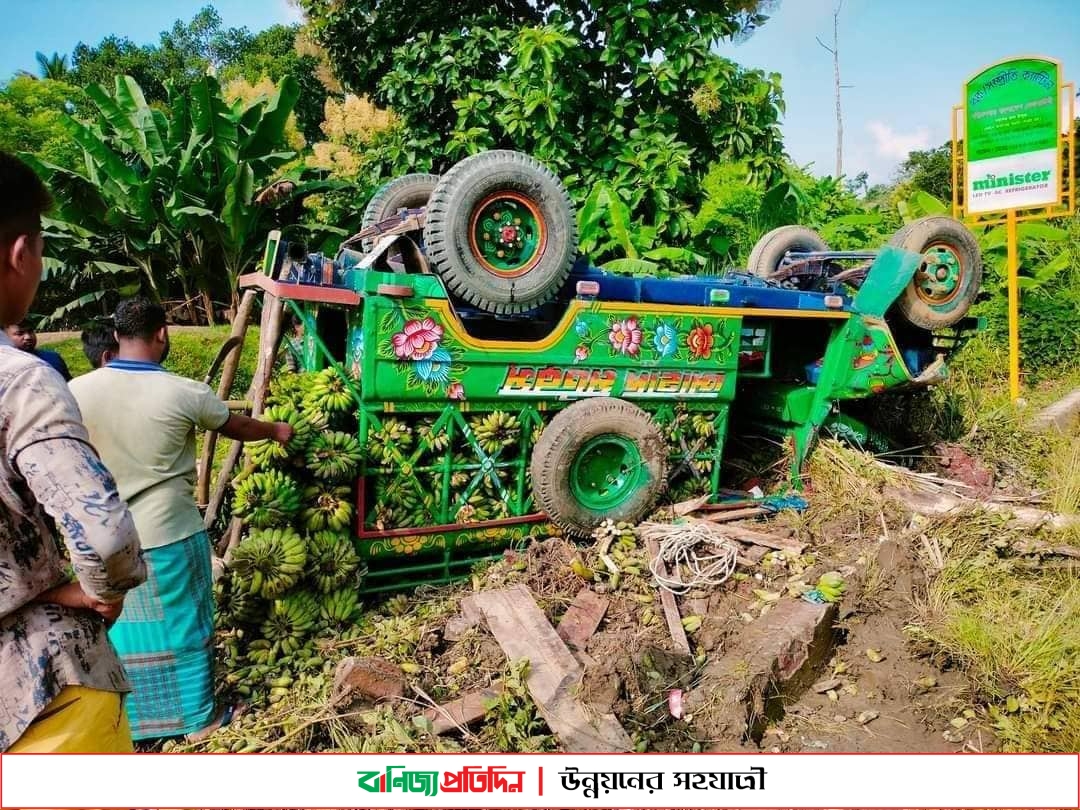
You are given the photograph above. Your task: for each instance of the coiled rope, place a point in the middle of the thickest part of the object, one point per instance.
(696, 547)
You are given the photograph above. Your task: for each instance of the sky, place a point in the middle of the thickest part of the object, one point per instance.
(906, 60)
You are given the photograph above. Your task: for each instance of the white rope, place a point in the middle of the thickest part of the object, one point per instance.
(681, 548)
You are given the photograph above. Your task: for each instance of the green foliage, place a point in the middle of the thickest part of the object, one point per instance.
(53, 67)
(929, 171)
(32, 112)
(516, 723)
(735, 214)
(568, 84)
(163, 197)
(183, 54)
(272, 54)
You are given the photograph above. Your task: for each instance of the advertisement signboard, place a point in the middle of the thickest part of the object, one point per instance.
(1013, 153)
(1013, 136)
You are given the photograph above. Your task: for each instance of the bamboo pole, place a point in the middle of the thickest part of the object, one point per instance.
(228, 376)
(269, 341)
(269, 332)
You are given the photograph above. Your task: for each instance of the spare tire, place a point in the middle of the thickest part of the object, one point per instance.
(948, 279)
(500, 232)
(407, 191)
(770, 249)
(598, 459)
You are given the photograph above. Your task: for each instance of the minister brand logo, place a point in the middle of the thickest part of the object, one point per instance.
(991, 181)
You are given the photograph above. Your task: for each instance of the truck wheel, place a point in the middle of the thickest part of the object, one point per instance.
(598, 459)
(500, 232)
(769, 251)
(407, 191)
(948, 279)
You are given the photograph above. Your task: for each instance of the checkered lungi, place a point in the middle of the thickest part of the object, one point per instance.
(165, 640)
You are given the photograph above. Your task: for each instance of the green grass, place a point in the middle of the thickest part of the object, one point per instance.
(1011, 623)
(1012, 629)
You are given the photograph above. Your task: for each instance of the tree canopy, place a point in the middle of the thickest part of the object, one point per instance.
(630, 93)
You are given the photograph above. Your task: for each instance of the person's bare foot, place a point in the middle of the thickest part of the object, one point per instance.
(228, 714)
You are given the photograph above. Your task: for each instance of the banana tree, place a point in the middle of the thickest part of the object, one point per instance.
(170, 193)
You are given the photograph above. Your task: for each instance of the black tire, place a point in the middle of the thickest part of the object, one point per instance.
(564, 447)
(922, 304)
(485, 182)
(769, 250)
(408, 191)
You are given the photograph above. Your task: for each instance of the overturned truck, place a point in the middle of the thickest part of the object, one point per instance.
(503, 386)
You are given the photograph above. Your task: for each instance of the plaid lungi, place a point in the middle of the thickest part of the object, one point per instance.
(165, 640)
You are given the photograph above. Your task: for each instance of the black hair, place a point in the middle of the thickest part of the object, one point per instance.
(23, 199)
(96, 340)
(138, 318)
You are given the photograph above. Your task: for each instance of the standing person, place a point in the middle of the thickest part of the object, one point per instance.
(63, 686)
(99, 345)
(142, 419)
(24, 337)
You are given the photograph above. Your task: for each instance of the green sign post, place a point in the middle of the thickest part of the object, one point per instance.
(1012, 161)
(1013, 136)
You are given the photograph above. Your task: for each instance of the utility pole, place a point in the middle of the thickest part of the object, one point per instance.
(835, 51)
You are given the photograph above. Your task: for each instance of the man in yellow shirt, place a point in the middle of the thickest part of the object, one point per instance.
(142, 420)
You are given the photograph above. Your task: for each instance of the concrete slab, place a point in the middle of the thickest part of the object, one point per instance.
(774, 658)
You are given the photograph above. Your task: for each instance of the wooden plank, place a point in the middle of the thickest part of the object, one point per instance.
(736, 514)
(582, 618)
(940, 502)
(554, 674)
(684, 508)
(670, 605)
(463, 712)
(301, 292)
(751, 556)
(762, 539)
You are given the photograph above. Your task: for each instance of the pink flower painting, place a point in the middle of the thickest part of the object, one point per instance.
(418, 340)
(625, 336)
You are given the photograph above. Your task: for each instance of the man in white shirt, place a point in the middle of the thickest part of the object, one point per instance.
(142, 420)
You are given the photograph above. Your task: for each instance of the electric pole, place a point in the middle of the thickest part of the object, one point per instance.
(835, 51)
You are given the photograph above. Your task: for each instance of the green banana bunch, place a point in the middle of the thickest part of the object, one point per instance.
(291, 619)
(495, 430)
(334, 456)
(476, 509)
(435, 441)
(267, 498)
(332, 560)
(339, 607)
(270, 561)
(266, 452)
(394, 435)
(831, 586)
(235, 605)
(288, 389)
(328, 508)
(703, 425)
(263, 652)
(329, 393)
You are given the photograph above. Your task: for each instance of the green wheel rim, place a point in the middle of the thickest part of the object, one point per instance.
(607, 472)
(507, 234)
(937, 281)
